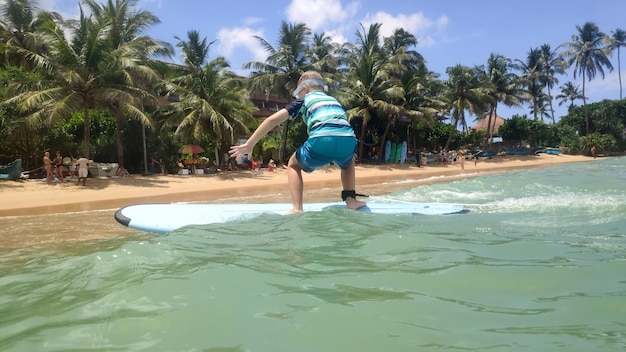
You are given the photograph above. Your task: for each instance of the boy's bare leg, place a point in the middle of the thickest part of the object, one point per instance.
(348, 182)
(296, 185)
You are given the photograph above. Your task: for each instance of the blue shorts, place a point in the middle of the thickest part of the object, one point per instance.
(321, 151)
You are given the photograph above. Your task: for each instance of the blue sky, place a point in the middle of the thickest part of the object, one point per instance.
(449, 32)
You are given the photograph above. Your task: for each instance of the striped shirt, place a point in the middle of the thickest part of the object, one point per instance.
(322, 114)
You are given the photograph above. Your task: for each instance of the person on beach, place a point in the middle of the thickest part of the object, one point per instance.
(83, 169)
(47, 164)
(256, 166)
(331, 139)
(593, 151)
(271, 165)
(58, 166)
(121, 172)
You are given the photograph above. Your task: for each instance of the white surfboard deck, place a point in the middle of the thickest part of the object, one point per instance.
(164, 218)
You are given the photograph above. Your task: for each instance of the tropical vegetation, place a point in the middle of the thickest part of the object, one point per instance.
(100, 87)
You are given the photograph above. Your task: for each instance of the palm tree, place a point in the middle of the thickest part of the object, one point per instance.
(467, 89)
(569, 92)
(81, 73)
(212, 99)
(504, 87)
(323, 54)
(618, 40)
(408, 67)
(369, 89)
(589, 55)
(280, 72)
(195, 51)
(531, 78)
(423, 97)
(551, 64)
(20, 21)
(397, 45)
(126, 26)
(543, 102)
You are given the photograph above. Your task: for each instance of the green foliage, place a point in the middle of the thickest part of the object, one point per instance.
(67, 136)
(605, 117)
(476, 139)
(378, 85)
(297, 136)
(604, 144)
(520, 129)
(516, 129)
(431, 137)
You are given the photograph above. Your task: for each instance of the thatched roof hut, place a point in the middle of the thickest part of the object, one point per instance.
(482, 124)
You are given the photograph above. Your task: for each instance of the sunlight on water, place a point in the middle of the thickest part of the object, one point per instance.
(537, 265)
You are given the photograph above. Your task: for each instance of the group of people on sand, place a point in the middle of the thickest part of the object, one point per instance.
(58, 171)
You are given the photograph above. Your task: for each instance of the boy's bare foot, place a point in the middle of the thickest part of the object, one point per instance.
(354, 204)
(294, 211)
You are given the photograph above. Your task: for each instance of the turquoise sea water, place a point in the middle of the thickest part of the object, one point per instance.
(539, 264)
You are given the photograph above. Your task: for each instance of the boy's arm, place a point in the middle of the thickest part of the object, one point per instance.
(266, 126)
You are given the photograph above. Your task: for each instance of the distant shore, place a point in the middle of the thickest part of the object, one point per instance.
(32, 197)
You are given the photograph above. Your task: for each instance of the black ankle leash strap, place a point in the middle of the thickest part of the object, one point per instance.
(351, 194)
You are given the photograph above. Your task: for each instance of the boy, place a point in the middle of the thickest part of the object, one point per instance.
(331, 139)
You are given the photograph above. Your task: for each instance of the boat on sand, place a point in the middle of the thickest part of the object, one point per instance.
(11, 171)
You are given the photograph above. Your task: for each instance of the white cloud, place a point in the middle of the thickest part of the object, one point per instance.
(319, 15)
(337, 35)
(229, 39)
(423, 28)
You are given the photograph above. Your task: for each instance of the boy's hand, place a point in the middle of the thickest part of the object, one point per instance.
(240, 150)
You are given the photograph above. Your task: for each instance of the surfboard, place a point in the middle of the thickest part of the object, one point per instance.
(387, 151)
(164, 218)
(398, 153)
(394, 153)
(404, 151)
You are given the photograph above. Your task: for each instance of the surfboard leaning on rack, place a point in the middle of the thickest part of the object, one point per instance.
(164, 218)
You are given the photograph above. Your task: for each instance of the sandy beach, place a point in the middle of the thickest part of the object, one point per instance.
(33, 197)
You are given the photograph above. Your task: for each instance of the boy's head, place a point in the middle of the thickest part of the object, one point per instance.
(308, 82)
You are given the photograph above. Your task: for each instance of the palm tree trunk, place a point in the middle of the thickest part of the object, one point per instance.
(361, 139)
(585, 104)
(456, 123)
(619, 72)
(384, 136)
(218, 162)
(86, 137)
(118, 139)
(414, 134)
(495, 119)
(283, 143)
(551, 108)
(489, 129)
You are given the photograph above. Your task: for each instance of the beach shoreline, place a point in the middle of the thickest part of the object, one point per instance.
(34, 197)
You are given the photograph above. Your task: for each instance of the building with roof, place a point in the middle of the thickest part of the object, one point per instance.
(267, 104)
(496, 122)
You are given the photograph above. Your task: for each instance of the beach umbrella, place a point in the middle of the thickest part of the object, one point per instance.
(190, 149)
